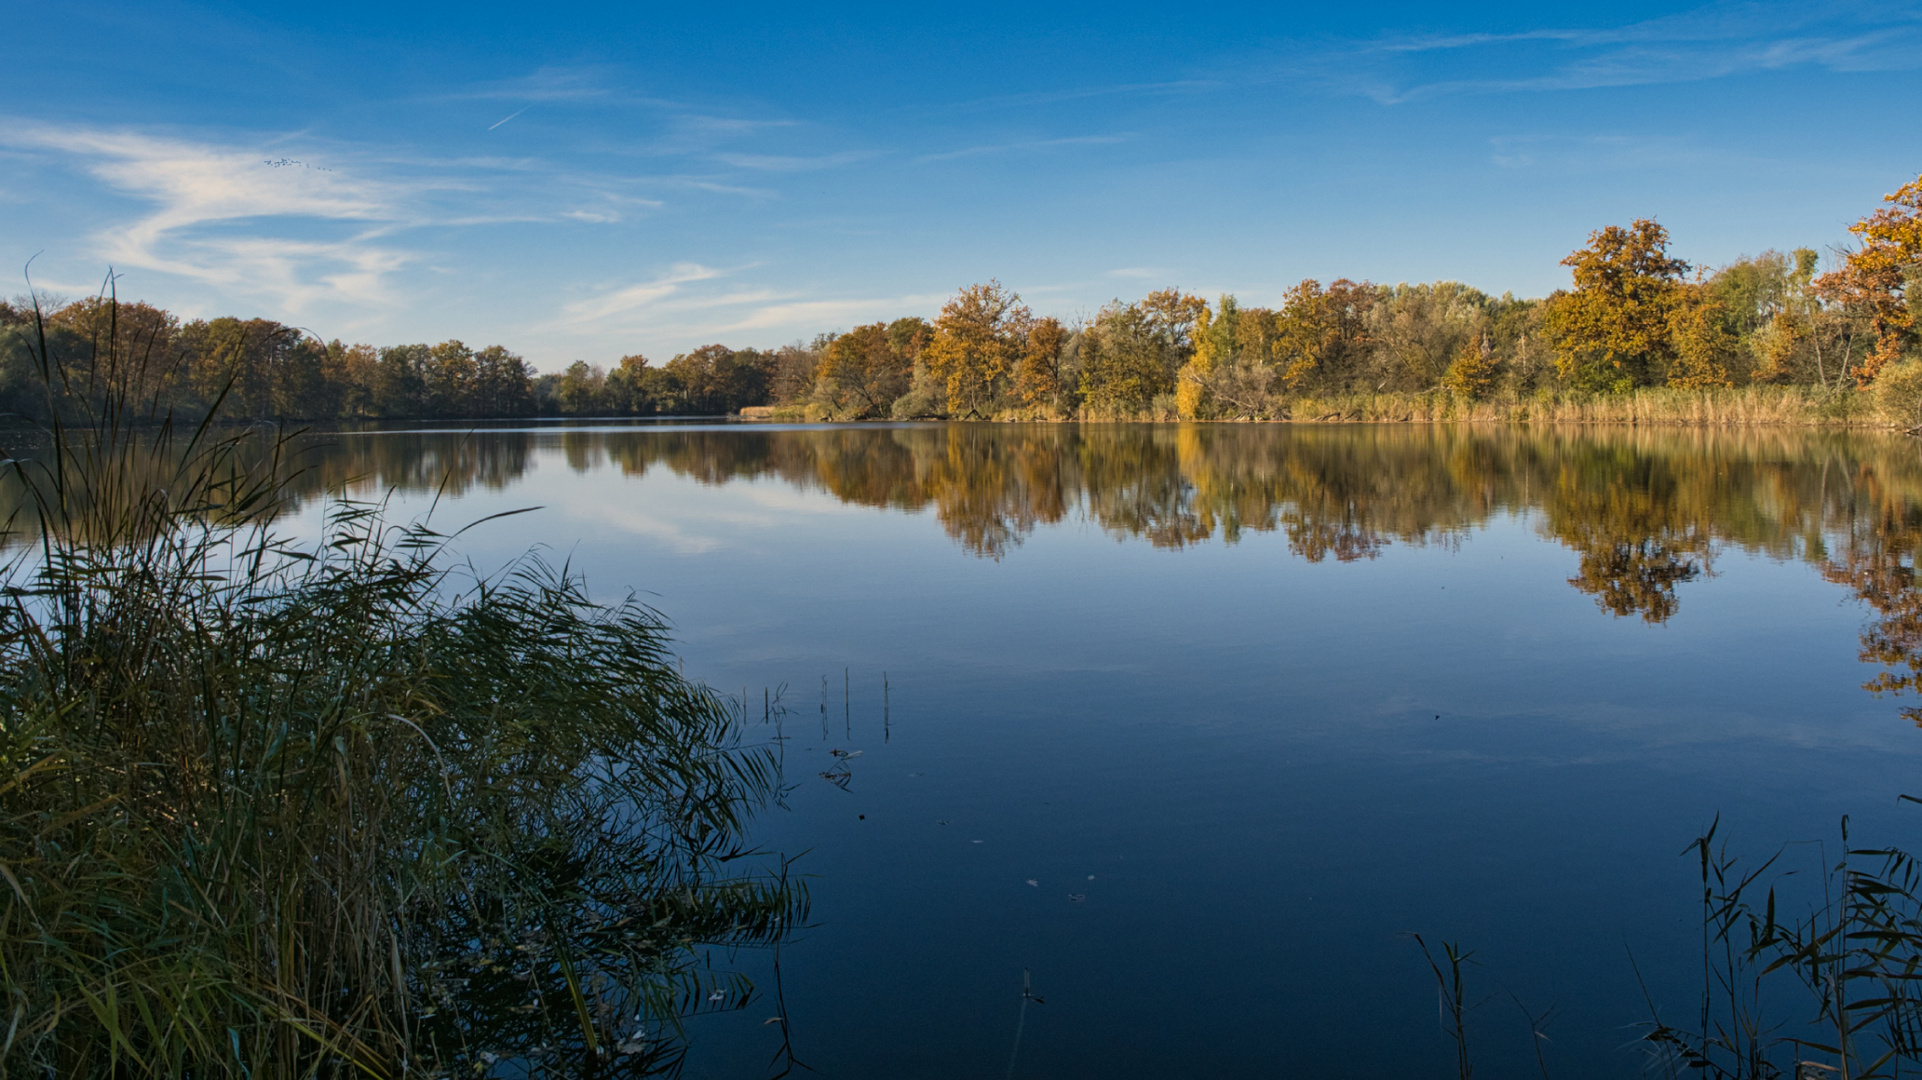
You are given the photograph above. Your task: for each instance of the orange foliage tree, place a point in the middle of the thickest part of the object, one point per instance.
(1875, 279)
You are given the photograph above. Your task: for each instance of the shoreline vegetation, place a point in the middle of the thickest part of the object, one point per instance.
(1787, 406)
(1641, 337)
(330, 810)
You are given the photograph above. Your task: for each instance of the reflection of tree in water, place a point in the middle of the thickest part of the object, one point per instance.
(1638, 532)
(1634, 576)
(410, 461)
(1643, 510)
(1879, 565)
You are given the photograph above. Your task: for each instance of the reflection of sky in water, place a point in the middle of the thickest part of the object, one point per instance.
(1254, 770)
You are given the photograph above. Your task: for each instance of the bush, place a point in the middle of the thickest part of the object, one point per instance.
(1898, 392)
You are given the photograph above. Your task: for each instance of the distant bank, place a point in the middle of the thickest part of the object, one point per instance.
(1895, 402)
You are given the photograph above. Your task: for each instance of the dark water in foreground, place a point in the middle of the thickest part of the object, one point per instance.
(1195, 723)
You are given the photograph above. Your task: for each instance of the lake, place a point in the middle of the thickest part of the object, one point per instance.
(1196, 724)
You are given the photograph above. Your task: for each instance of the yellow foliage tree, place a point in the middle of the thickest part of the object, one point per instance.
(1702, 344)
(1213, 340)
(1612, 332)
(1472, 373)
(1319, 332)
(1037, 377)
(977, 341)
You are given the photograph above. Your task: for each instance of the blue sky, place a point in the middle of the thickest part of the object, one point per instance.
(588, 181)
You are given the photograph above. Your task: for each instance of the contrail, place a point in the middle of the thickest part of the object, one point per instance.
(508, 117)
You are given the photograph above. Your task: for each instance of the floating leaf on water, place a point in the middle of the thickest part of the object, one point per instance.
(1034, 883)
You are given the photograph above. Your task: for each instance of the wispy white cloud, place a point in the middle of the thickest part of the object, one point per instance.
(595, 311)
(197, 194)
(692, 301)
(1135, 273)
(829, 313)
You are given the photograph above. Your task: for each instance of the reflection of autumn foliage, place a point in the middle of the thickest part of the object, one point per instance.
(1879, 566)
(1641, 525)
(1643, 510)
(1635, 576)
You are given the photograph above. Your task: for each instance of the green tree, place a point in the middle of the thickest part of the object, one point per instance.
(447, 380)
(580, 390)
(502, 384)
(1125, 361)
(1417, 332)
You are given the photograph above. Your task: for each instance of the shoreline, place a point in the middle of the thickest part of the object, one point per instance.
(1789, 406)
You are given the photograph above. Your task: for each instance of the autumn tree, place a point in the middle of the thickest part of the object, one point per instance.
(715, 379)
(1880, 278)
(863, 372)
(1173, 315)
(1321, 334)
(792, 370)
(1472, 372)
(1230, 369)
(138, 337)
(976, 343)
(1612, 332)
(1037, 377)
(1702, 346)
(1214, 344)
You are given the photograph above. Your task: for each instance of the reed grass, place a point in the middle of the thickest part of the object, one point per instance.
(1835, 992)
(279, 811)
(1745, 406)
(1748, 406)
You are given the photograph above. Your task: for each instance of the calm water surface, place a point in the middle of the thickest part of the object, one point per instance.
(1196, 723)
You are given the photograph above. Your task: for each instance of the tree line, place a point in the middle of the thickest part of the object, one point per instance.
(1636, 316)
(260, 369)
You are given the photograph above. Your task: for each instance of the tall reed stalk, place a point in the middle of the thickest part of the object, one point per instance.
(279, 811)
